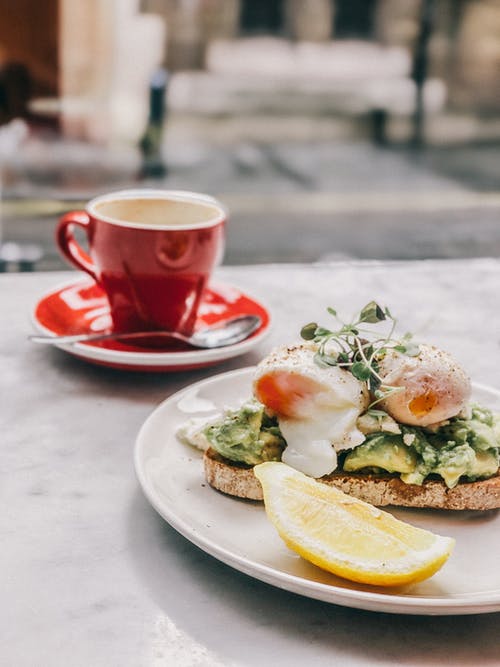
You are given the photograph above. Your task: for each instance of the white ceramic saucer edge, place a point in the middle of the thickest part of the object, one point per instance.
(129, 358)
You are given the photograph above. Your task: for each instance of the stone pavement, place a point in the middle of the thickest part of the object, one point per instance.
(319, 193)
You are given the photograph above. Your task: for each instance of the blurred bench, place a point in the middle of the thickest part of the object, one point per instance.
(276, 76)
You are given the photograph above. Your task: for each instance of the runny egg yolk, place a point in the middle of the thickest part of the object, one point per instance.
(317, 408)
(432, 386)
(423, 404)
(285, 393)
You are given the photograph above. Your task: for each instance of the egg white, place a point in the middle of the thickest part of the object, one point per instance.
(324, 419)
(433, 386)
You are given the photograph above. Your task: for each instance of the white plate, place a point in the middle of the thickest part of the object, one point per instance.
(238, 532)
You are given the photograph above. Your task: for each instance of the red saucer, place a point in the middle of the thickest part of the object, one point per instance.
(81, 307)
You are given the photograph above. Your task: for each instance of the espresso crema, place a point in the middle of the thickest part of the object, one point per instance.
(156, 211)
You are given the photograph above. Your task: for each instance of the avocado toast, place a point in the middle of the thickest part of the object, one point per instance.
(383, 419)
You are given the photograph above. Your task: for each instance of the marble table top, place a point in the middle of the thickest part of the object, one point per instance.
(91, 575)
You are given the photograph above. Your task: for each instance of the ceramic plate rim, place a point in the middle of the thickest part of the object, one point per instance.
(460, 604)
(129, 358)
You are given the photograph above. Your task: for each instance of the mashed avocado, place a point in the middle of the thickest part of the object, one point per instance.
(382, 452)
(246, 435)
(463, 447)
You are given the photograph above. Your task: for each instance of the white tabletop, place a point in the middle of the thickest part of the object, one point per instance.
(93, 576)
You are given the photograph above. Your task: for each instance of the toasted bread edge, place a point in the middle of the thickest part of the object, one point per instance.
(380, 490)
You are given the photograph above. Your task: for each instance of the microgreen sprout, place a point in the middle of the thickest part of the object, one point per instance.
(359, 349)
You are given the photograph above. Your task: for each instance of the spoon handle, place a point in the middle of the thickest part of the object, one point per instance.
(83, 338)
(228, 332)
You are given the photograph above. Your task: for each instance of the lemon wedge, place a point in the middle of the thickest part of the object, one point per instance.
(347, 536)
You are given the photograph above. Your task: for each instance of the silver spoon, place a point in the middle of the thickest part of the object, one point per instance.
(227, 332)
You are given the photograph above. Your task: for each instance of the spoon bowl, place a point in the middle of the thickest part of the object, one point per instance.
(227, 332)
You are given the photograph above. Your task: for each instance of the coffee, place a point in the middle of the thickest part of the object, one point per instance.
(156, 211)
(152, 252)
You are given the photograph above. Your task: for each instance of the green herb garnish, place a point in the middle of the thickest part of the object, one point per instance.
(358, 349)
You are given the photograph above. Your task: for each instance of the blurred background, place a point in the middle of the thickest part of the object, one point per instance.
(332, 129)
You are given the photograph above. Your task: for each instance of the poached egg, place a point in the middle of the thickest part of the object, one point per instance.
(317, 408)
(433, 385)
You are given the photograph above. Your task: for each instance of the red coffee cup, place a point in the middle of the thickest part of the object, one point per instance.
(151, 251)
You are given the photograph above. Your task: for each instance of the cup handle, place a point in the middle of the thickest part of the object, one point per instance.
(69, 247)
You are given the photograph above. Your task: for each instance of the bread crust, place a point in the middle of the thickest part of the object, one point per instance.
(231, 478)
(381, 490)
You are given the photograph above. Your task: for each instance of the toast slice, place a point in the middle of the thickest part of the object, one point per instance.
(380, 490)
